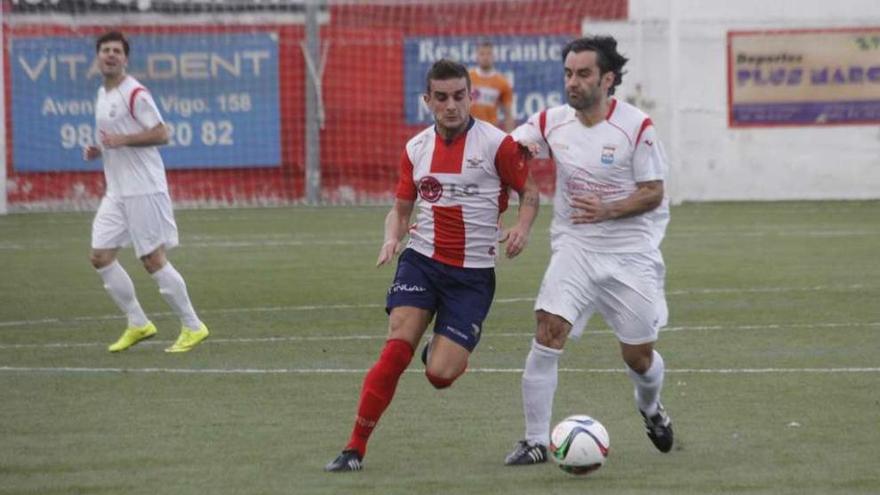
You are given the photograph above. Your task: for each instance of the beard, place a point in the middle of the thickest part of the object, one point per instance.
(585, 99)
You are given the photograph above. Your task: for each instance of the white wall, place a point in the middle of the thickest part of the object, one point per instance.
(677, 51)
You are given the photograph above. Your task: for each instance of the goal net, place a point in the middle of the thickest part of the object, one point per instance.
(240, 82)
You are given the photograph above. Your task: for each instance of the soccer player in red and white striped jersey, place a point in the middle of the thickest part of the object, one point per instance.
(455, 175)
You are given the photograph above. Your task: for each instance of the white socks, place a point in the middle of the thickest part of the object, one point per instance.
(648, 386)
(173, 290)
(538, 388)
(118, 284)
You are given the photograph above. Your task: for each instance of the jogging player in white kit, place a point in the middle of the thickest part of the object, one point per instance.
(136, 208)
(610, 215)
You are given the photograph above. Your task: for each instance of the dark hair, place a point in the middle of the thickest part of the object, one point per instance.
(112, 36)
(444, 69)
(607, 57)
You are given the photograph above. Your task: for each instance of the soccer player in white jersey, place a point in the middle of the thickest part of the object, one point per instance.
(455, 175)
(609, 217)
(136, 208)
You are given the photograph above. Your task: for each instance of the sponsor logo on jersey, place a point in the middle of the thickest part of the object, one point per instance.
(607, 155)
(475, 162)
(583, 182)
(431, 190)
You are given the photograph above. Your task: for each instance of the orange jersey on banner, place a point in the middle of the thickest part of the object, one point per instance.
(487, 92)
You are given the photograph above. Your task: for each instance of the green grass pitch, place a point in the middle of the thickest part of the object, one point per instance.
(773, 356)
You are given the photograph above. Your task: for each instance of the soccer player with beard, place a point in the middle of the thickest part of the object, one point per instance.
(609, 217)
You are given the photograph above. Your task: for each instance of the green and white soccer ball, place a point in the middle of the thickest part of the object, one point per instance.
(579, 444)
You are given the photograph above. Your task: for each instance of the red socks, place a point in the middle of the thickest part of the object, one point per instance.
(378, 390)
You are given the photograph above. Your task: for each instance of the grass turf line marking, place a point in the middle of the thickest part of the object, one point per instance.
(337, 338)
(328, 371)
(322, 307)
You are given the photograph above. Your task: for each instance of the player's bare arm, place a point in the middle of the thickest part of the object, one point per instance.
(518, 236)
(156, 136)
(589, 208)
(396, 226)
(509, 122)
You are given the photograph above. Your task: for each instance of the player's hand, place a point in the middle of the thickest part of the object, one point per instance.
(588, 208)
(516, 238)
(387, 252)
(91, 153)
(113, 140)
(531, 149)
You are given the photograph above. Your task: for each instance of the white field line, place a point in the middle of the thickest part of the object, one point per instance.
(329, 371)
(270, 240)
(331, 307)
(227, 243)
(487, 336)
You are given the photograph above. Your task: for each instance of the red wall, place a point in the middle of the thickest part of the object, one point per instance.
(364, 130)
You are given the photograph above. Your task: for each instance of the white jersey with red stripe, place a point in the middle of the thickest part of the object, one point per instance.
(607, 159)
(460, 188)
(129, 109)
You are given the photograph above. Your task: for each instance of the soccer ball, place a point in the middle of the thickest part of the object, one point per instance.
(579, 444)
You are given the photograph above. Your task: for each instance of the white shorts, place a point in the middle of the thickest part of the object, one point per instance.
(147, 221)
(626, 289)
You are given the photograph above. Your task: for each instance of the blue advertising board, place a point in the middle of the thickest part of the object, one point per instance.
(533, 64)
(218, 94)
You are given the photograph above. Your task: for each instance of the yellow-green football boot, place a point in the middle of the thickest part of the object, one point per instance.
(189, 339)
(132, 336)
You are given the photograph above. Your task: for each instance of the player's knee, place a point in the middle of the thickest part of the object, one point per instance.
(439, 382)
(100, 260)
(152, 263)
(552, 330)
(441, 379)
(638, 358)
(96, 262)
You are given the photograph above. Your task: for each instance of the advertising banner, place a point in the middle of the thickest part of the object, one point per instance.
(218, 94)
(804, 77)
(532, 64)
(156, 6)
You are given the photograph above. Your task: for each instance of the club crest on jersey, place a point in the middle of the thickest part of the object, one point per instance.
(607, 155)
(430, 189)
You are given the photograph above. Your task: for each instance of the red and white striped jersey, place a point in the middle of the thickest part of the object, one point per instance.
(130, 170)
(607, 159)
(460, 188)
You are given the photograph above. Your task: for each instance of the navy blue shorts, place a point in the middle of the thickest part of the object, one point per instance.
(459, 297)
